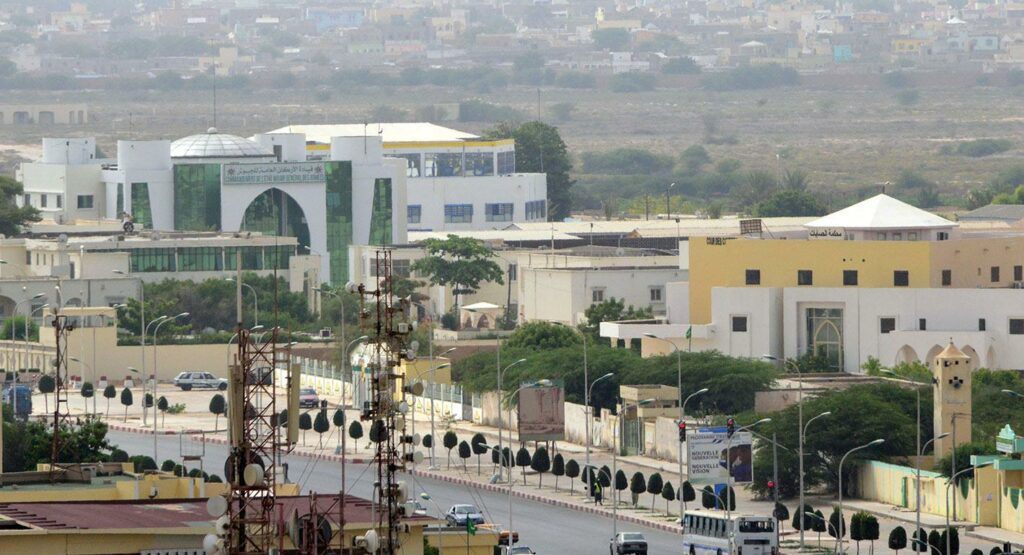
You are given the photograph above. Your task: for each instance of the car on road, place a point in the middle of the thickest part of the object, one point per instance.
(308, 398)
(521, 550)
(628, 542)
(458, 515)
(199, 380)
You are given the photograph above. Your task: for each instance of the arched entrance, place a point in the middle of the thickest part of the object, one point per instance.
(275, 212)
(906, 355)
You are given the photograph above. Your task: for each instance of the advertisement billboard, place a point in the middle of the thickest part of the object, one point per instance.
(542, 414)
(706, 456)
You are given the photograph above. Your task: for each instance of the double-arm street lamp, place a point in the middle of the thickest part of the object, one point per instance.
(255, 301)
(501, 375)
(841, 461)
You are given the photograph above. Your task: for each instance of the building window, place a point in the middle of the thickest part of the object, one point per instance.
(655, 294)
(536, 210)
(506, 162)
(498, 212)
(152, 260)
(849, 277)
(881, 236)
(947, 277)
(85, 202)
(1016, 326)
(513, 272)
(912, 236)
(886, 325)
(1018, 273)
(60, 200)
(981, 324)
(401, 268)
(922, 324)
(825, 335)
(42, 200)
(200, 259)
(897, 235)
(142, 214)
(597, 295)
(479, 163)
(901, 278)
(804, 277)
(458, 213)
(943, 236)
(412, 164)
(994, 274)
(26, 200)
(753, 277)
(28, 258)
(739, 324)
(443, 164)
(413, 213)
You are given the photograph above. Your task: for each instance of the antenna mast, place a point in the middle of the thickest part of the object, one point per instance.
(61, 411)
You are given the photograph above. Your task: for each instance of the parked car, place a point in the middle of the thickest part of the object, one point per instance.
(199, 380)
(308, 398)
(521, 550)
(628, 542)
(459, 514)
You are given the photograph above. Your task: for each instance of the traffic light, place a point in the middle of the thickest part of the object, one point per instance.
(730, 426)
(771, 485)
(682, 432)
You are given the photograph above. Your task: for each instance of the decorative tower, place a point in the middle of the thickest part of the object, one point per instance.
(952, 371)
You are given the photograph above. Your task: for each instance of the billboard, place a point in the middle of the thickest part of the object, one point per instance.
(706, 456)
(270, 174)
(542, 414)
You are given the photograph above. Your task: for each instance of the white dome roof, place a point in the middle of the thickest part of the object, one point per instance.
(217, 145)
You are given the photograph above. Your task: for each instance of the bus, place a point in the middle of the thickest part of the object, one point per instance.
(707, 533)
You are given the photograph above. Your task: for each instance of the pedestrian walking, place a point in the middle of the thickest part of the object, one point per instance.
(597, 494)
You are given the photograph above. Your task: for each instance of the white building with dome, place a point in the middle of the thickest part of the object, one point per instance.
(215, 181)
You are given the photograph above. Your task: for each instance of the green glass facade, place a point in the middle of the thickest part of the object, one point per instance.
(197, 197)
(380, 217)
(200, 259)
(152, 260)
(142, 213)
(338, 176)
(276, 213)
(120, 199)
(252, 258)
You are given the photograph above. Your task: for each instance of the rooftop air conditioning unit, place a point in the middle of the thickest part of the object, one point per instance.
(325, 333)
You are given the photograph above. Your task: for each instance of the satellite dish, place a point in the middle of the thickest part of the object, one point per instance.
(253, 475)
(292, 526)
(209, 542)
(414, 346)
(372, 542)
(216, 506)
(403, 407)
(416, 389)
(417, 457)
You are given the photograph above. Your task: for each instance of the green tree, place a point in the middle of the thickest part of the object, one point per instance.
(687, 493)
(167, 466)
(162, 405)
(465, 452)
(126, 400)
(219, 406)
(621, 483)
(461, 262)
(355, 431)
(378, 431)
(540, 335)
(321, 424)
(788, 203)
(523, 460)
(935, 542)
(836, 525)
(654, 486)
(47, 385)
(819, 525)
(496, 457)
(478, 443)
(305, 424)
(897, 539)
(12, 217)
(450, 441)
(558, 468)
(919, 541)
(707, 498)
(604, 477)
(694, 158)
(15, 328)
(870, 530)
(339, 422)
(610, 310)
(637, 485)
(87, 392)
(857, 528)
(540, 149)
(572, 471)
(109, 393)
(668, 493)
(540, 463)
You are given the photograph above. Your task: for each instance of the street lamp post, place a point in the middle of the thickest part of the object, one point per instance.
(952, 480)
(341, 300)
(841, 461)
(344, 361)
(156, 361)
(615, 462)
(255, 301)
(917, 502)
(729, 495)
(433, 393)
(501, 374)
(800, 435)
(587, 411)
(679, 392)
(14, 396)
(701, 391)
(85, 366)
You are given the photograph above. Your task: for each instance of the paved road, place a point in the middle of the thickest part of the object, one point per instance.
(545, 528)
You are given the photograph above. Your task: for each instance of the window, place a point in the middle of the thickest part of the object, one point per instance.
(1018, 273)
(536, 210)
(849, 277)
(947, 277)
(994, 274)
(597, 295)
(753, 277)
(1016, 326)
(401, 268)
(506, 163)
(739, 324)
(42, 200)
(886, 325)
(442, 164)
(200, 259)
(901, 278)
(804, 277)
(943, 236)
(60, 200)
(825, 335)
(412, 164)
(499, 212)
(142, 214)
(897, 236)
(152, 260)
(458, 213)
(28, 258)
(981, 324)
(881, 236)
(85, 202)
(413, 213)
(912, 236)
(513, 272)
(26, 200)
(479, 163)
(922, 324)
(655, 294)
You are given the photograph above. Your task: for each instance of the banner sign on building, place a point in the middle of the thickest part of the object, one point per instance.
(706, 456)
(542, 414)
(269, 174)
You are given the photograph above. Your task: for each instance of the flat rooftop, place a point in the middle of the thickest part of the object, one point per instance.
(421, 132)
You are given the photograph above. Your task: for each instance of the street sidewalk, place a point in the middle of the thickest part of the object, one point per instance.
(930, 521)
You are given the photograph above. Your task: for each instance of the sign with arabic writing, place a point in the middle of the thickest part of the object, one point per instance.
(828, 233)
(268, 174)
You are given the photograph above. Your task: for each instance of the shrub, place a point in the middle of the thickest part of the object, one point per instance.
(632, 82)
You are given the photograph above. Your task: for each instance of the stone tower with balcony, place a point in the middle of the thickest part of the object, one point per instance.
(951, 371)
